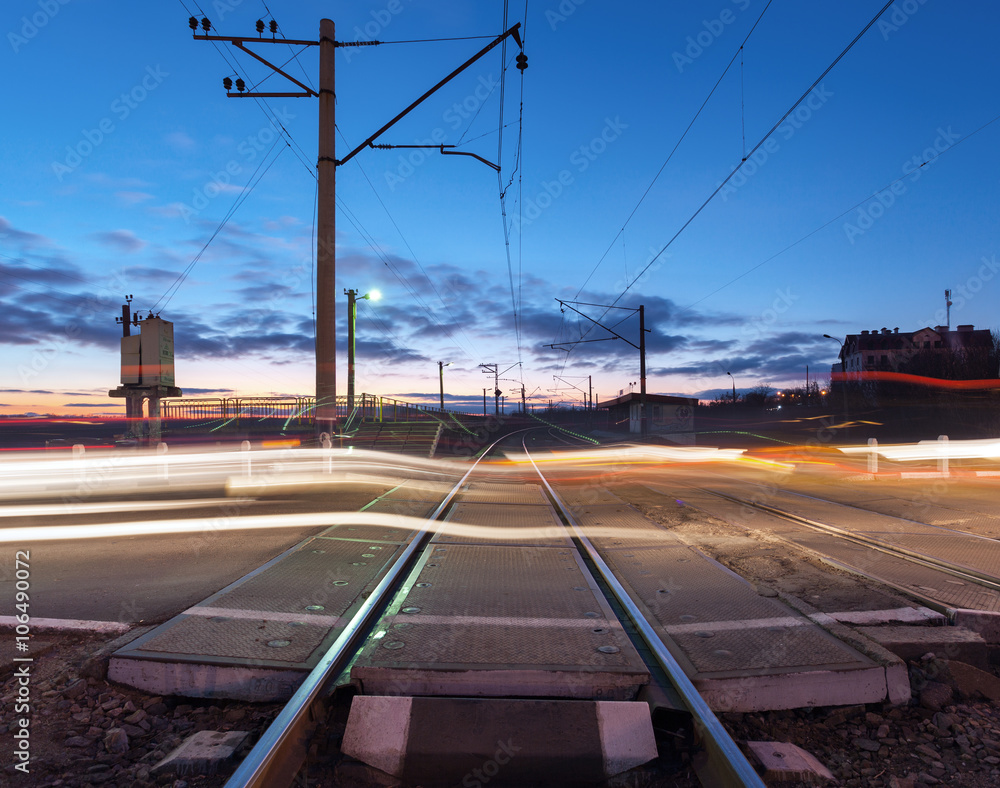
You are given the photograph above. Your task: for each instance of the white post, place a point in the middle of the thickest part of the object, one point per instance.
(872, 455)
(326, 443)
(78, 451)
(161, 449)
(943, 459)
(245, 446)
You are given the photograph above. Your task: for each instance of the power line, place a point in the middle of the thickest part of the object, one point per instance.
(762, 140)
(240, 199)
(838, 216)
(413, 256)
(427, 40)
(676, 146)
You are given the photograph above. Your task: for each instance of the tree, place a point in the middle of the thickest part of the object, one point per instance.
(760, 396)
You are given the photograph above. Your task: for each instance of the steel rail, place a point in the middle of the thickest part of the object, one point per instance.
(727, 765)
(965, 573)
(280, 752)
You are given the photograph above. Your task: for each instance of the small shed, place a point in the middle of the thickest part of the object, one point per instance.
(666, 415)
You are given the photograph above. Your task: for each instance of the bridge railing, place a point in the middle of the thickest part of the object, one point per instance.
(299, 411)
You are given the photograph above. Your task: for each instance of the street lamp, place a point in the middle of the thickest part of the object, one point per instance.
(441, 366)
(352, 317)
(734, 389)
(843, 371)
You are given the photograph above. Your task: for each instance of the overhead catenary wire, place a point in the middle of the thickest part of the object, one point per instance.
(429, 40)
(514, 290)
(840, 215)
(470, 350)
(762, 140)
(673, 150)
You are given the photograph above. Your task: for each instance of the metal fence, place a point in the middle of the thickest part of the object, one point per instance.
(298, 411)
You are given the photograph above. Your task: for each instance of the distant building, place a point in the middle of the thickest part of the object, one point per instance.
(667, 416)
(965, 353)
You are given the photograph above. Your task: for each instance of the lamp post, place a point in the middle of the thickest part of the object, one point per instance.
(352, 317)
(734, 390)
(441, 366)
(843, 371)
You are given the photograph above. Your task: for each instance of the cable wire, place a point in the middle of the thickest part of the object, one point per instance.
(762, 140)
(171, 291)
(839, 215)
(674, 149)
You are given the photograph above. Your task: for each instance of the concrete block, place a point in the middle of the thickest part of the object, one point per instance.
(912, 643)
(204, 752)
(984, 622)
(973, 682)
(795, 690)
(897, 682)
(784, 762)
(468, 740)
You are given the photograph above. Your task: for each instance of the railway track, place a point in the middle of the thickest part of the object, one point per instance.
(942, 568)
(283, 748)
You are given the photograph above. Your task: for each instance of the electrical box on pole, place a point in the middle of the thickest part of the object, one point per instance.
(147, 372)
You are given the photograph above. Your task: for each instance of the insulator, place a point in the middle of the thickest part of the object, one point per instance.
(193, 23)
(522, 61)
(260, 26)
(241, 85)
(205, 24)
(227, 83)
(273, 27)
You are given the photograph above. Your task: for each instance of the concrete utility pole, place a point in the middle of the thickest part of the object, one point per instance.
(326, 240)
(326, 169)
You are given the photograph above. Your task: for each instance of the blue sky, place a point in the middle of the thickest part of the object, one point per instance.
(123, 156)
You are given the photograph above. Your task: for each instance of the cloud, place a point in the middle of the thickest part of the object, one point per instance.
(190, 391)
(180, 141)
(103, 179)
(122, 240)
(23, 239)
(27, 391)
(133, 197)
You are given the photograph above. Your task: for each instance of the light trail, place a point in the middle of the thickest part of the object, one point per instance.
(985, 449)
(106, 507)
(52, 533)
